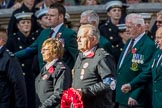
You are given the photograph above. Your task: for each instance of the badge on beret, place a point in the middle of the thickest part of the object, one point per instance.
(44, 77)
(85, 65)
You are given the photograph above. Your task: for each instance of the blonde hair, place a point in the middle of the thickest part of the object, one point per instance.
(55, 47)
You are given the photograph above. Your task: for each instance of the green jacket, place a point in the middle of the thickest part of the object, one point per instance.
(70, 44)
(145, 48)
(155, 73)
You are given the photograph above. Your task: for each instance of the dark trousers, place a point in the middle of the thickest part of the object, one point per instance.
(125, 106)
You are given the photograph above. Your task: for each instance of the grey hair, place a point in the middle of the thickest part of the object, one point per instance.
(92, 30)
(92, 16)
(135, 19)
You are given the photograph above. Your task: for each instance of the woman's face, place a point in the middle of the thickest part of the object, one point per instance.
(24, 26)
(44, 22)
(115, 13)
(47, 54)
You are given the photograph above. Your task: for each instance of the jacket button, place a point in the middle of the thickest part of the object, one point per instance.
(22, 65)
(23, 73)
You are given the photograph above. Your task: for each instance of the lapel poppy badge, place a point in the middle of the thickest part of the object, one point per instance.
(51, 70)
(90, 55)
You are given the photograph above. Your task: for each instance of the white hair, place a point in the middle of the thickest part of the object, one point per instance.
(135, 19)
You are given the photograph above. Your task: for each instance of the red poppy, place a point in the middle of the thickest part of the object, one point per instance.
(71, 97)
(90, 55)
(133, 50)
(51, 69)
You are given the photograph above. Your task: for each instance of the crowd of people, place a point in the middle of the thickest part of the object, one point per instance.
(111, 64)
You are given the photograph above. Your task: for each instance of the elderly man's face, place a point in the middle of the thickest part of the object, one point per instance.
(84, 40)
(83, 20)
(131, 29)
(158, 38)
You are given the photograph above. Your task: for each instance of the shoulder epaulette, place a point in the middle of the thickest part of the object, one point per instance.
(61, 65)
(10, 53)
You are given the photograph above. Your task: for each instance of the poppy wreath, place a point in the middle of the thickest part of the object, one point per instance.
(71, 99)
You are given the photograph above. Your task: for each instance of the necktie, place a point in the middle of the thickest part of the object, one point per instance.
(130, 47)
(50, 34)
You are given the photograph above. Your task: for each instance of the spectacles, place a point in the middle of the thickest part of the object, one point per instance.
(158, 37)
(160, 22)
(45, 49)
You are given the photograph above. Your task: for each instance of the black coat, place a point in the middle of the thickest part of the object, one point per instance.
(18, 42)
(110, 32)
(49, 86)
(89, 74)
(12, 82)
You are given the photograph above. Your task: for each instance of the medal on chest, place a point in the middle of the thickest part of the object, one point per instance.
(85, 65)
(82, 74)
(45, 76)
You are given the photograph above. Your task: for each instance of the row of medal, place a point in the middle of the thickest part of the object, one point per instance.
(138, 58)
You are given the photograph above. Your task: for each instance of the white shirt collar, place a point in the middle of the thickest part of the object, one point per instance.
(138, 38)
(56, 29)
(48, 65)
